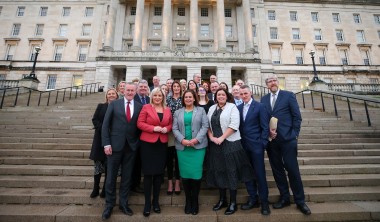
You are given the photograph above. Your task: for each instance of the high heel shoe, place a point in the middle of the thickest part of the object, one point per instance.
(177, 191)
(231, 209)
(169, 192)
(221, 204)
(146, 212)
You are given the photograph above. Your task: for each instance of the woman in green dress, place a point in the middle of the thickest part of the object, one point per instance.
(190, 125)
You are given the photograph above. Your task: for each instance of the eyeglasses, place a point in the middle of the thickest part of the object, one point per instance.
(202, 90)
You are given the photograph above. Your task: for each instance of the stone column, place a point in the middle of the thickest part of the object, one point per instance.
(191, 70)
(119, 27)
(253, 76)
(224, 75)
(247, 26)
(137, 36)
(104, 75)
(133, 72)
(221, 26)
(194, 26)
(164, 72)
(263, 30)
(166, 25)
(110, 30)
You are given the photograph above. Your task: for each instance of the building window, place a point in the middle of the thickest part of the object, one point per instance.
(371, 80)
(304, 83)
(204, 12)
(155, 47)
(322, 56)
(86, 30)
(66, 11)
(82, 52)
(39, 30)
(51, 81)
(43, 11)
(181, 11)
(271, 15)
(10, 52)
(77, 80)
(32, 52)
(181, 30)
(276, 56)
(357, 18)
(227, 12)
(360, 36)
(339, 35)
(315, 17)
(20, 11)
(365, 56)
(156, 29)
(3, 76)
(131, 29)
(62, 30)
(254, 31)
(230, 48)
(343, 56)
(336, 17)
(58, 53)
(228, 31)
(299, 56)
(377, 19)
(317, 34)
(252, 10)
(205, 47)
(180, 46)
(296, 34)
(293, 16)
(273, 33)
(89, 12)
(16, 29)
(281, 83)
(133, 10)
(157, 11)
(205, 30)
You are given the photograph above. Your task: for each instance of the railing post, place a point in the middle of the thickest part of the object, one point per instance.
(76, 92)
(366, 111)
(2, 99)
(39, 99)
(86, 90)
(336, 111)
(71, 89)
(81, 91)
(18, 90)
(64, 94)
(323, 103)
(349, 109)
(47, 104)
(30, 94)
(312, 99)
(56, 97)
(303, 100)
(91, 88)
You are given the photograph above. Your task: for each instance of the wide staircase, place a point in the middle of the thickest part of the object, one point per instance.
(45, 173)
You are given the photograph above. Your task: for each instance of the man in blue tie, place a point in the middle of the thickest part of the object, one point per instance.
(254, 129)
(236, 95)
(282, 150)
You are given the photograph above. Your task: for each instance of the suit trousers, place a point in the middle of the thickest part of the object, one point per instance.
(283, 156)
(259, 183)
(125, 159)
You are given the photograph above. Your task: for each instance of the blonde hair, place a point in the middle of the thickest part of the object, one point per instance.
(154, 91)
(108, 91)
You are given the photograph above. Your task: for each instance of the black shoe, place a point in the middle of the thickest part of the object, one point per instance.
(281, 204)
(304, 208)
(126, 210)
(94, 193)
(231, 209)
(137, 190)
(156, 208)
(169, 192)
(249, 205)
(146, 212)
(188, 207)
(107, 213)
(221, 204)
(265, 210)
(102, 194)
(195, 209)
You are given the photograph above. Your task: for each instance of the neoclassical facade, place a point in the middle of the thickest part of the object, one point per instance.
(112, 40)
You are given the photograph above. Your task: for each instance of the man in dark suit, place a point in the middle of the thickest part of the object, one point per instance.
(120, 139)
(282, 150)
(142, 98)
(213, 88)
(254, 129)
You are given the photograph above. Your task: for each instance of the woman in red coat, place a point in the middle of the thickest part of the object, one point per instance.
(155, 122)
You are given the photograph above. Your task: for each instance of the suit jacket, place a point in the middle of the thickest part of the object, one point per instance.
(137, 99)
(199, 127)
(97, 150)
(287, 111)
(148, 119)
(210, 96)
(116, 131)
(254, 130)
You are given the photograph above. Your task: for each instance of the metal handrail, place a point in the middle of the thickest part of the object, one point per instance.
(88, 88)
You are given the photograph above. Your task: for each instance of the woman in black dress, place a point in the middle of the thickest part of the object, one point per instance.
(204, 101)
(97, 150)
(228, 161)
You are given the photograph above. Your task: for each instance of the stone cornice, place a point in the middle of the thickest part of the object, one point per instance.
(343, 2)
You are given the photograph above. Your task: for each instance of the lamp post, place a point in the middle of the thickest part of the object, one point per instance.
(315, 78)
(32, 75)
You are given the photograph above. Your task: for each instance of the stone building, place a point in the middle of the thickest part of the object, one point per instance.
(112, 40)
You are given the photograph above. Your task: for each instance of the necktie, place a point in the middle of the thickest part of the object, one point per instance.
(143, 100)
(128, 112)
(273, 100)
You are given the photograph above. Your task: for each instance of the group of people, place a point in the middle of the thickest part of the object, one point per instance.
(174, 128)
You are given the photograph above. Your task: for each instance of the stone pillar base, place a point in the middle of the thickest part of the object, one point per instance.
(29, 83)
(320, 85)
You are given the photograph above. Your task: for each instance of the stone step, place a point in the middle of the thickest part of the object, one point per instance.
(88, 170)
(339, 135)
(58, 131)
(46, 140)
(46, 161)
(47, 135)
(337, 211)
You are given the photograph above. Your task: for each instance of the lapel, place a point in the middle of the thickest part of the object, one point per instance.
(250, 109)
(195, 112)
(278, 100)
(154, 114)
(136, 109)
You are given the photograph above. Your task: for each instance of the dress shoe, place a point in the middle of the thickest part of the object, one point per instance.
(231, 209)
(249, 205)
(102, 194)
(169, 192)
(107, 213)
(195, 210)
(188, 208)
(156, 208)
(146, 211)
(304, 208)
(281, 204)
(221, 204)
(265, 210)
(126, 210)
(94, 193)
(137, 190)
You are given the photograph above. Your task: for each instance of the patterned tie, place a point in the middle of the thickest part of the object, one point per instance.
(273, 100)
(128, 112)
(143, 100)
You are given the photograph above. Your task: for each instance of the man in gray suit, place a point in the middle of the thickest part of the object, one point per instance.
(120, 138)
